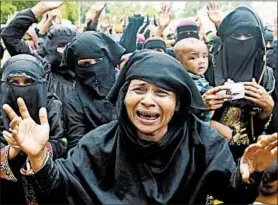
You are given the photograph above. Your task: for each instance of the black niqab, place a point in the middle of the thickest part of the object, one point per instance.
(57, 36)
(98, 77)
(240, 60)
(34, 95)
(155, 43)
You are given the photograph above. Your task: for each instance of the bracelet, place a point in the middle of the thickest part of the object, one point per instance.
(29, 170)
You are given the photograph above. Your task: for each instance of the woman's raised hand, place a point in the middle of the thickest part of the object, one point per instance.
(27, 134)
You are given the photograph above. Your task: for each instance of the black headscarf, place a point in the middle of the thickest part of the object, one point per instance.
(34, 95)
(176, 80)
(118, 168)
(99, 77)
(187, 28)
(155, 43)
(240, 60)
(57, 36)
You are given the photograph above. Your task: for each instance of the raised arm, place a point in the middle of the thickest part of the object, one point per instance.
(12, 35)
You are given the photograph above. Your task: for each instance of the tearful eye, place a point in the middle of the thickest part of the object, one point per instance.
(84, 64)
(139, 90)
(161, 93)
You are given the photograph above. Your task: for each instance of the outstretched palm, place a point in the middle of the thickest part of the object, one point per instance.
(30, 137)
(257, 157)
(214, 12)
(164, 16)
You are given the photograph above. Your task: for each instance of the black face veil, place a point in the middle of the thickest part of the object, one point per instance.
(240, 60)
(57, 36)
(98, 77)
(34, 95)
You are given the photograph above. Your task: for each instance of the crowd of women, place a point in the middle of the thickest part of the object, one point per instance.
(131, 115)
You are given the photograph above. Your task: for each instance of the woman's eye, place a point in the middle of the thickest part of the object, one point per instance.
(139, 90)
(161, 93)
(28, 81)
(84, 64)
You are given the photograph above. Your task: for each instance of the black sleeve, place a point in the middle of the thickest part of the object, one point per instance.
(222, 176)
(91, 26)
(236, 191)
(145, 25)
(74, 120)
(12, 35)
(57, 138)
(50, 183)
(128, 39)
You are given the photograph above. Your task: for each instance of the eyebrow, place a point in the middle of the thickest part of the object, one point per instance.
(194, 53)
(138, 84)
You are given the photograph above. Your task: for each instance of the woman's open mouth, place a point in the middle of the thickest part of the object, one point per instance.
(147, 116)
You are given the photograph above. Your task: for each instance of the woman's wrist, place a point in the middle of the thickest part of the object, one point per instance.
(13, 152)
(263, 115)
(38, 10)
(38, 161)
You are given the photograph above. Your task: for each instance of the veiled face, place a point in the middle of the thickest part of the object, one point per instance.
(150, 109)
(19, 80)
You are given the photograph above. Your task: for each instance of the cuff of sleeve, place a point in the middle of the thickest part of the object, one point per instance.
(27, 169)
(5, 170)
(47, 177)
(31, 14)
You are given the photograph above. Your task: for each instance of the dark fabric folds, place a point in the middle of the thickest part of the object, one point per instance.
(240, 60)
(57, 36)
(110, 165)
(34, 95)
(155, 43)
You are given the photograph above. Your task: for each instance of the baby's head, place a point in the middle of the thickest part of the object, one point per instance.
(193, 55)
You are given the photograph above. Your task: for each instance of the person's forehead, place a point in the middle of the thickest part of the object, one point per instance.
(195, 47)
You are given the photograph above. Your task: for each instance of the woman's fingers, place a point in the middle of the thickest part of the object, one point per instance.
(274, 151)
(254, 100)
(253, 94)
(22, 108)
(43, 116)
(9, 112)
(271, 145)
(15, 122)
(15, 135)
(268, 139)
(8, 137)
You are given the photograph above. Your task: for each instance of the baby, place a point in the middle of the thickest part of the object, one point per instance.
(193, 55)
